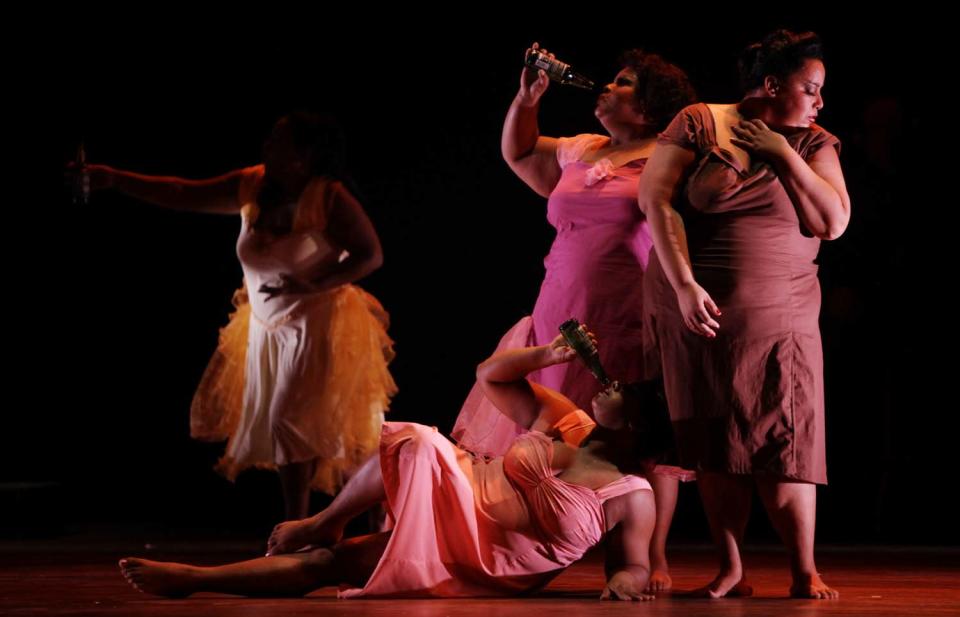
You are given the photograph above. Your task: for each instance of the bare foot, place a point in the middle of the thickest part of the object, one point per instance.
(291, 536)
(660, 581)
(728, 584)
(162, 578)
(812, 586)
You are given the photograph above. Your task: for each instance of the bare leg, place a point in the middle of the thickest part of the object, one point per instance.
(665, 489)
(726, 499)
(792, 507)
(363, 491)
(295, 481)
(350, 562)
(283, 575)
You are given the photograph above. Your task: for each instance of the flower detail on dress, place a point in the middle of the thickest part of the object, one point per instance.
(601, 170)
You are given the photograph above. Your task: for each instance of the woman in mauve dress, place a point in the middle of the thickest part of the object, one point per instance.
(739, 197)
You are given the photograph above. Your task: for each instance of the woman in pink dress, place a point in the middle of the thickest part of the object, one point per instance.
(595, 268)
(739, 197)
(299, 381)
(466, 527)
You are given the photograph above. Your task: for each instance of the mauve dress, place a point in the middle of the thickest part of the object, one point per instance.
(749, 401)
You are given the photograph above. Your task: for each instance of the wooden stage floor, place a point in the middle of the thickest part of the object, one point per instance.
(77, 578)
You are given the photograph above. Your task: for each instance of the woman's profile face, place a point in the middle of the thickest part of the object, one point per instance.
(608, 407)
(798, 99)
(617, 104)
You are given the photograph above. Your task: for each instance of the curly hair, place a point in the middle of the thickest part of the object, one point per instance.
(662, 88)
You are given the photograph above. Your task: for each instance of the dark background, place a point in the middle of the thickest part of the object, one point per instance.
(114, 308)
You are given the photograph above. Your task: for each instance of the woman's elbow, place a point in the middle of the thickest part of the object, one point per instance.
(836, 225)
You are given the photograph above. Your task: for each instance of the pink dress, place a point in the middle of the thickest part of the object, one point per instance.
(594, 272)
(473, 528)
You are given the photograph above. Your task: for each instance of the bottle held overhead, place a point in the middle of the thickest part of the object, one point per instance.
(578, 339)
(558, 71)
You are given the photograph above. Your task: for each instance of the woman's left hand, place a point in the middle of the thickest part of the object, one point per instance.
(758, 139)
(289, 285)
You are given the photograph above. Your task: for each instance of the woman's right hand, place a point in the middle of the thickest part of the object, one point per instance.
(558, 352)
(533, 82)
(698, 309)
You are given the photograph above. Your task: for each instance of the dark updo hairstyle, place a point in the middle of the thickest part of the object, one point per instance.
(781, 53)
(646, 437)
